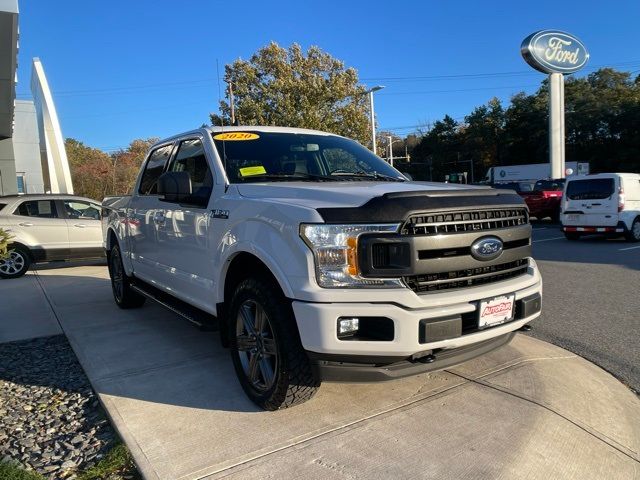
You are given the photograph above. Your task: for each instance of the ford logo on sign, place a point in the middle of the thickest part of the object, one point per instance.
(486, 248)
(551, 51)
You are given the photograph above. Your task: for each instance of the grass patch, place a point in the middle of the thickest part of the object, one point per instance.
(12, 471)
(117, 461)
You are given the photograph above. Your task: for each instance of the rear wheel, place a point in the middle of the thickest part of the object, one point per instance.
(633, 235)
(123, 294)
(16, 264)
(572, 236)
(271, 365)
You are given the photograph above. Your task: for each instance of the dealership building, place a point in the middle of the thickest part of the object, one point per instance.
(32, 154)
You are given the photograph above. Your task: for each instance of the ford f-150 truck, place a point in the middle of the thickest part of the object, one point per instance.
(317, 260)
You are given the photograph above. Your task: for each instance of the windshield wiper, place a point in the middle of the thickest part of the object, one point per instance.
(291, 176)
(374, 175)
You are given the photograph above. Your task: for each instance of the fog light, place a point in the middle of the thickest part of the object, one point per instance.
(347, 326)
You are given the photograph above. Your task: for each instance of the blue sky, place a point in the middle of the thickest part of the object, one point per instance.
(121, 70)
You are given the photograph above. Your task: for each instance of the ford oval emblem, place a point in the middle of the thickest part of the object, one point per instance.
(486, 248)
(551, 51)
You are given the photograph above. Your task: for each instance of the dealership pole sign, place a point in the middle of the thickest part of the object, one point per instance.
(558, 54)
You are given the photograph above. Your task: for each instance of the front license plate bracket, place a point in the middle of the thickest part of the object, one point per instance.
(496, 310)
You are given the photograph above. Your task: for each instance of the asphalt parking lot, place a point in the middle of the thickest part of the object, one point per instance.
(591, 301)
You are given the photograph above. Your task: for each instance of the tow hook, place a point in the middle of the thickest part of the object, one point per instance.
(427, 359)
(525, 328)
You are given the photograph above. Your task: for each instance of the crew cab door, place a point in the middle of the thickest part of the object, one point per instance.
(184, 236)
(145, 216)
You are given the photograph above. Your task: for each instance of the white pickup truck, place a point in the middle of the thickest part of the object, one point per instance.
(317, 260)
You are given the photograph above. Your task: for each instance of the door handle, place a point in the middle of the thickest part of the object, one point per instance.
(26, 224)
(80, 225)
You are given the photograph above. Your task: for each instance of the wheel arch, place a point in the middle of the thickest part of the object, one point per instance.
(23, 247)
(240, 265)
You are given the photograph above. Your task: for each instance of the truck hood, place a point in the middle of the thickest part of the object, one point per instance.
(338, 194)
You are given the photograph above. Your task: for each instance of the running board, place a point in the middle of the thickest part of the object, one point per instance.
(203, 320)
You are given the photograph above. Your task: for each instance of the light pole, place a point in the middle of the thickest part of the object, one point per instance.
(373, 118)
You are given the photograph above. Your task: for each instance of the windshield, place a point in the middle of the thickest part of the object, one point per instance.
(252, 156)
(592, 189)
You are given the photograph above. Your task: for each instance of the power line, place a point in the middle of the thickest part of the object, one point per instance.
(487, 74)
(206, 81)
(461, 90)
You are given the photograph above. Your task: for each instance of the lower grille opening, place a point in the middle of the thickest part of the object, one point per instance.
(471, 277)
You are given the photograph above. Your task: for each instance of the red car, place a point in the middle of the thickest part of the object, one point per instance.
(543, 199)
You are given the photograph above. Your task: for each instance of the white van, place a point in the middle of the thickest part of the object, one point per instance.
(603, 203)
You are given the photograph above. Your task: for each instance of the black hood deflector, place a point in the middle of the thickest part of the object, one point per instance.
(397, 207)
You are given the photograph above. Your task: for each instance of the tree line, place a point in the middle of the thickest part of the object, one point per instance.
(97, 174)
(602, 123)
(289, 87)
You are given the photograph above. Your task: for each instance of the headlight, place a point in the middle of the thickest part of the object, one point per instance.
(335, 251)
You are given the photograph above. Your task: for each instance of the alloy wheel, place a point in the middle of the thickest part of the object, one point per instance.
(256, 345)
(12, 265)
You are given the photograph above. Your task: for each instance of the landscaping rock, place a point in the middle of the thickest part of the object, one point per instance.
(49, 413)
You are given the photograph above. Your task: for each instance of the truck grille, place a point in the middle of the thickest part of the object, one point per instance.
(465, 221)
(466, 278)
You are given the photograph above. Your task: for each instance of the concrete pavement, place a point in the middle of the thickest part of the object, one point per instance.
(529, 410)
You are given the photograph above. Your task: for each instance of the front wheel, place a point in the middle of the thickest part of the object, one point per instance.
(123, 294)
(271, 365)
(633, 235)
(16, 264)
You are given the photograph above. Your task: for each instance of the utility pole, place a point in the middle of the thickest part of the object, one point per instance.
(390, 150)
(231, 103)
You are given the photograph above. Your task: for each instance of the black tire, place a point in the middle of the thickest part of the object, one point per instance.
(123, 294)
(572, 236)
(633, 235)
(17, 263)
(271, 349)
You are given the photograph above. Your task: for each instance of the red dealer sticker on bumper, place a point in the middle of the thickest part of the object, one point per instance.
(497, 310)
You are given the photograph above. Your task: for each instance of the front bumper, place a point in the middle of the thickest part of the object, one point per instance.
(317, 324)
(337, 371)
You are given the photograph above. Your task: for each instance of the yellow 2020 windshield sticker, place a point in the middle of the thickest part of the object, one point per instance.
(236, 136)
(248, 171)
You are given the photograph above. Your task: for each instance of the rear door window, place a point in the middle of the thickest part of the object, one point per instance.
(76, 209)
(591, 189)
(37, 208)
(153, 169)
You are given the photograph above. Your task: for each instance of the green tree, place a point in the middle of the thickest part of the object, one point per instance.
(4, 244)
(286, 87)
(483, 134)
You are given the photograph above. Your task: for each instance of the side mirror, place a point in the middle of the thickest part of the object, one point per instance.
(174, 186)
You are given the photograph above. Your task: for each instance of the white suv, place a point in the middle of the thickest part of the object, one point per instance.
(49, 227)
